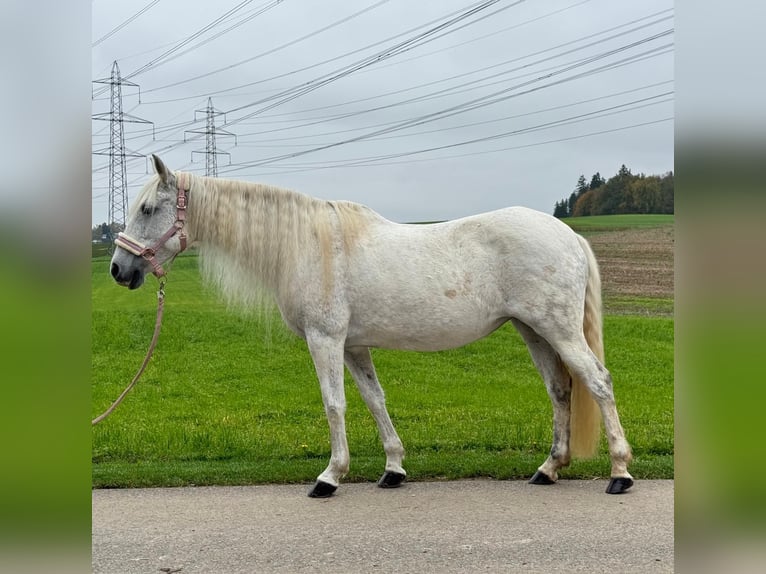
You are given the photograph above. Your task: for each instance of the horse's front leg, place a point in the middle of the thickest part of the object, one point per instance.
(359, 363)
(327, 353)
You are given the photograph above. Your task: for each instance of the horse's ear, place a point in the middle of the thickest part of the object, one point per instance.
(160, 168)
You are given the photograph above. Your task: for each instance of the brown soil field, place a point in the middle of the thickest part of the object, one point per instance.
(636, 269)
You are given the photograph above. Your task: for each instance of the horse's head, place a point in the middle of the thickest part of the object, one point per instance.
(154, 232)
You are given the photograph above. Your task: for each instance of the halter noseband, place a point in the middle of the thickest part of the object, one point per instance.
(149, 253)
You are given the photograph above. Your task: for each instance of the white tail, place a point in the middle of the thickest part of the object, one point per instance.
(586, 417)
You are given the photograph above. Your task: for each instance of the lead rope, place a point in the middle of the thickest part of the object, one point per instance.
(157, 325)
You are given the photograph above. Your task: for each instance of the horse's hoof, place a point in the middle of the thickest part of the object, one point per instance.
(619, 484)
(391, 479)
(541, 478)
(322, 490)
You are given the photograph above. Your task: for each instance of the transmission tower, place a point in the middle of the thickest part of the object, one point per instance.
(211, 153)
(117, 152)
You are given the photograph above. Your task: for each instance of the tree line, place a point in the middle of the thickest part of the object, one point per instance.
(105, 232)
(622, 193)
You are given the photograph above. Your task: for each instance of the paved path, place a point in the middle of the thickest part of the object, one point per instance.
(421, 528)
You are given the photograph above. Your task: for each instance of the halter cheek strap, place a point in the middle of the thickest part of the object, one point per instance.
(184, 184)
(178, 228)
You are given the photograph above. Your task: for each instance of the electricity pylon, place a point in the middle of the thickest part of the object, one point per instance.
(117, 152)
(210, 131)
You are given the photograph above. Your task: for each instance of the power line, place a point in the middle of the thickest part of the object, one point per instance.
(460, 126)
(125, 23)
(482, 101)
(625, 32)
(558, 140)
(286, 91)
(396, 63)
(158, 60)
(403, 46)
(468, 154)
(397, 125)
(477, 102)
(257, 12)
(389, 52)
(277, 48)
(300, 39)
(503, 63)
(177, 127)
(596, 114)
(517, 25)
(245, 16)
(452, 90)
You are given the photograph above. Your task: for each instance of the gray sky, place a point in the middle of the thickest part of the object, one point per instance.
(529, 81)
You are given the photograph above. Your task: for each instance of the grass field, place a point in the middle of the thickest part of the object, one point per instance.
(628, 221)
(234, 400)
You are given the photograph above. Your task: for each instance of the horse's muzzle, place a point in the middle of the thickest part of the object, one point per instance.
(130, 279)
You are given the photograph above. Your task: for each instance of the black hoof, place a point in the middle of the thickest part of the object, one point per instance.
(618, 485)
(541, 478)
(391, 479)
(322, 490)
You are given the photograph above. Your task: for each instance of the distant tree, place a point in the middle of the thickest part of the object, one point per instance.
(648, 195)
(98, 231)
(596, 181)
(566, 207)
(571, 204)
(582, 186)
(637, 197)
(612, 194)
(666, 193)
(623, 172)
(584, 204)
(560, 210)
(105, 230)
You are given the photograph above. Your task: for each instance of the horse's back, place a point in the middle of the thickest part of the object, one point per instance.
(519, 238)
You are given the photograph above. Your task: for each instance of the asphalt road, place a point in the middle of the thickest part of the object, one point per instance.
(423, 527)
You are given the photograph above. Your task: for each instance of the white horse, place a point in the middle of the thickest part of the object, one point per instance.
(345, 279)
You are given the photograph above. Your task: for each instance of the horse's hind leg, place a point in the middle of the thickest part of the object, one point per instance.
(559, 387)
(359, 363)
(583, 364)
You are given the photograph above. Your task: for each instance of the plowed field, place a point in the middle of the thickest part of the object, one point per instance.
(636, 269)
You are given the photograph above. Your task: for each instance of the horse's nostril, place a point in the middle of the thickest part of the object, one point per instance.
(115, 270)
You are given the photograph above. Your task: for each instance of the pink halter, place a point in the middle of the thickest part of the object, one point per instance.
(149, 253)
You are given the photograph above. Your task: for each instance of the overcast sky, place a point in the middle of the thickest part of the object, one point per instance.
(505, 106)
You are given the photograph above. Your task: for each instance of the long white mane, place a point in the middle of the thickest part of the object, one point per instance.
(251, 236)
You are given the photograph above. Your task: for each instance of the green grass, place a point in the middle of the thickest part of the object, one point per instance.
(229, 400)
(99, 249)
(645, 306)
(614, 222)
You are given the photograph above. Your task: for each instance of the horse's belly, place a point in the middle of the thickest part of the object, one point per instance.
(424, 334)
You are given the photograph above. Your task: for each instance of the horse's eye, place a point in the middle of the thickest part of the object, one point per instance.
(147, 209)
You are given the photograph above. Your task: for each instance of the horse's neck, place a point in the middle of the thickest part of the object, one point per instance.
(262, 228)
(222, 213)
